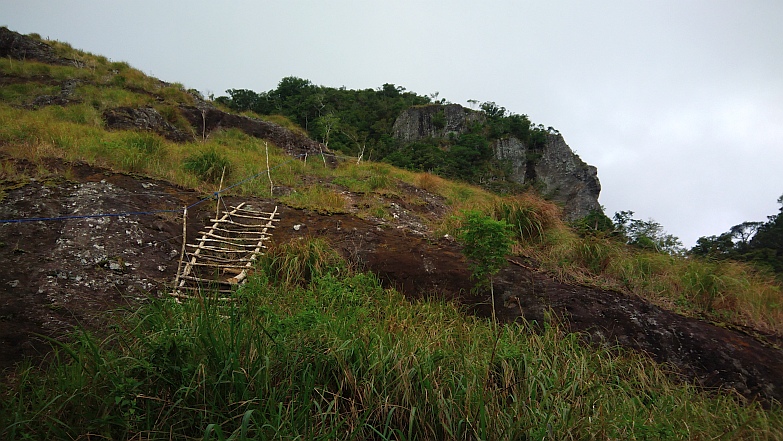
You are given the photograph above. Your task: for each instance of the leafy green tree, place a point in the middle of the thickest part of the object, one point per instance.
(485, 242)
(647, 234)
(493, 110)
(760, 243)
(714, 247)
(596, 222)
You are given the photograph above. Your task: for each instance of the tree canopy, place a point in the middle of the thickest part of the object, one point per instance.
(354, 121)
(760, 243)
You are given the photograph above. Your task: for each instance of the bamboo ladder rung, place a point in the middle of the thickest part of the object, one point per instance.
(220, 267)
(237, 231)
(230, 222)
(233, 244)
(208, 281)
(217, 236)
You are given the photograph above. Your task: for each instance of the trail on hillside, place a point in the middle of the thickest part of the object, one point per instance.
(57, 275)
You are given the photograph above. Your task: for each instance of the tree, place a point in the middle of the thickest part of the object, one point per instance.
(485, 242)
(646, 234)
(493, 110)
(325, 125)
(760, 243)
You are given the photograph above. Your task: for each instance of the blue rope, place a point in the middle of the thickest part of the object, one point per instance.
(86, 216)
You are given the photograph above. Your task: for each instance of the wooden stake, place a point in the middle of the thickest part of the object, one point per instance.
(268, 170)
(184, 241)
(220, 188)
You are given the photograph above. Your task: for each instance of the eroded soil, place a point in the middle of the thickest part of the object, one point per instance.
(57, 274)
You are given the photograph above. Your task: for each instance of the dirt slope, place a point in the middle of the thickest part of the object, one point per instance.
(58, 274)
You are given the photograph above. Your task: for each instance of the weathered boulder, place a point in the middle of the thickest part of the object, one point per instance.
(434, 121)
(205, 118)
(64, 98)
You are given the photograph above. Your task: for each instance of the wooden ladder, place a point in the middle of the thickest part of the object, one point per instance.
(225, 253)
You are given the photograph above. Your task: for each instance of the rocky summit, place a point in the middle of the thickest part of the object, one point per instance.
(553, 168)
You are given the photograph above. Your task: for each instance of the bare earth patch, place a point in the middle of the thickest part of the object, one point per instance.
(55, 275)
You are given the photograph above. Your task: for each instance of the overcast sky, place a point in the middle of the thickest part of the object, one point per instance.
(678, 103)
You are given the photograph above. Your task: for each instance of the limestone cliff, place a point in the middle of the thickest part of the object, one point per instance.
(559, 172)
(552, 168)
(434, 121)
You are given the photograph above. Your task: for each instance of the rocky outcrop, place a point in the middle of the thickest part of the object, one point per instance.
(21, 47)
(556, 170)
(64, 98)
(143, 118)
(552, 168)
(434, 121)
(205, 118)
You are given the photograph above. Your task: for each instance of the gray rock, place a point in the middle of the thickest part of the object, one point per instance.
(555, 170)
(143, 118)
(21, 47)
(435, 121)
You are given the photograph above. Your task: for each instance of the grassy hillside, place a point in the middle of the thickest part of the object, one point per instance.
(317, 349)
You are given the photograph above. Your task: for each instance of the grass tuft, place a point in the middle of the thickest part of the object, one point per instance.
(208, 165)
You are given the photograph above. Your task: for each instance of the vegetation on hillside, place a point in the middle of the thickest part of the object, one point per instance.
(359, 122)
(315, 349)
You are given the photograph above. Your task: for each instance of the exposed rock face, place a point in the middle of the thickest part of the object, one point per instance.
(22, 47)
(206, 118)
(434, 121)
(560, 173)
(143, 118)
(64, 98)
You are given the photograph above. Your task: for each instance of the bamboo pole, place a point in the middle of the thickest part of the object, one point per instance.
(184, 241)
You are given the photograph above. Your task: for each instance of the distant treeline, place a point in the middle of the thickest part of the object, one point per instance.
(760, 243)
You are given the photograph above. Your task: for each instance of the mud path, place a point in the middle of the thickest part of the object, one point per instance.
(55, 275)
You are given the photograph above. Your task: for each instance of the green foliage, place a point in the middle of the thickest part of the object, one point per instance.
(760, 243)
(485, 242)
(595, 223)
(352, 119)
(439, 120)
(316, 356)
(646, 234)
(208, 165)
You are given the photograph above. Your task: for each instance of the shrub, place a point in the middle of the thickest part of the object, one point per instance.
(485, 243)
(208, 165)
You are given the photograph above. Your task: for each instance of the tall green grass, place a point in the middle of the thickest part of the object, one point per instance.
(729, 292)
(326, 353)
